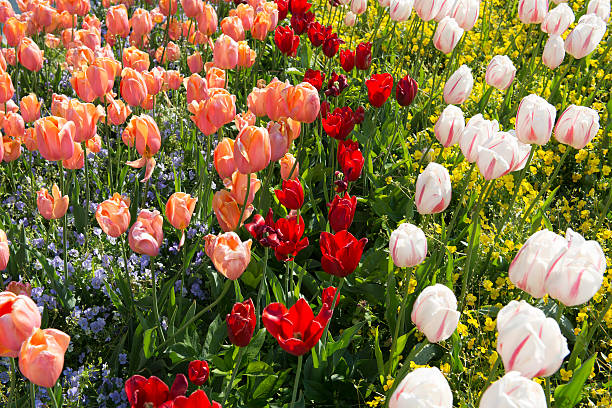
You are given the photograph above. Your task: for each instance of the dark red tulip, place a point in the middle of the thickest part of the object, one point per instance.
(363, 56)
(340, 123)
(379, 88)
(341, 212)
(264, 230)
(347, 60)
(350, 159)
(291, 196)
(198, 399)
(327, 298)
(331, 45)
(198, 372)
(341, 252)
(314, 78)
(289, 232)
(286, 41)
(283, 9)
(359, 115)
(299, 6)
(300, 22)
(336, 84)
(317, 33)
(406, 90)
(324, 111)
(141, 391)
(241, 323)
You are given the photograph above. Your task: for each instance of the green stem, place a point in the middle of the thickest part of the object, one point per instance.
(400, 319)
(246, 200)
(13, 374)
(127, 272)
(287, 273)
(87, 194)
(52, 394)
(262, 285)
(33, 395)
(333, 307)
(65, 227)
(235, 370)
(548, 393)
(155, 306)
(296, 382)
(579, 347)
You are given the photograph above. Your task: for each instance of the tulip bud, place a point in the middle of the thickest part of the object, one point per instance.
(585, 36)
(476, 133)
(447, 35)
(252, 150)
(406, 90)
(241, 323)
(433, 189)
(532, 11)
(400, 10)
(179, 210)
(601, 8)
(407, 245)
(500, 72)
(291, 196)
(113, 215)
(424, 387)
(449, 126)
(4, 251)
(41, 358)
(513, 390)
(146, 235)
(287, 162)
(535, 119)
(501, 154)
(228, 253)
(435, 314)
(198, 372)
(19, 317)
(577, 126)
(350, 19)
(341, 212)
(554, 52)
(359, 6)
(427, 9)
(465, 12)
(558, 20)
(458, 86)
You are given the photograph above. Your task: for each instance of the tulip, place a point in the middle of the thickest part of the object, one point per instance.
(93, 145)
(476, 133)
(528, 341)
(118, 112)
(286, 41)
(317, 33)
(14, 125)
(379, 88)
(179, 210)
(246, 56)
(207, 20)
(136, 59)
(435, 314)
(289, 232)
(534, 120)
(224, 158)
(77, 161)
(198, 372)
(427, 9)
(282, 134)
(30, 108)
(406, 90)
(113, 215)
(433, 189)
(225, 52)
(291, 196)
(347, 61)
(459, 85)
(577, 126)
(85, 117)
(101, 76)
(82, 86)
(144, 134)
(465, 12)
(424, 387)
(227, 210)
(6, 87)
(172, 80)
(341, 252)
(133, 87)
(6, 11)
(41, 358)
(216, 111)
(241, 323)
(601, 8)
(141, 24)
(143, 392)
(4, 251)
(407, 245)
(14, 31)
(400, 10)
(117, 21)
(445, 10)
(273, 99)
(447, 35)
(197, 88)
(261, 25)
(252, 150)
(532, 11)
(350, 19)
(554, 52)
(154, 79)
(350, 159)
(363, 56)
(19, 288)
(585, 36)
(449, 126)
(359, 6)
(513, 390)
(55, 138)
(29, 55)
(501, 154)
(332, 44)
(500, 72)
(558, 20)
(229, 254)
(576, 273)
(19, 317)
(215, 77)
(194, 61)
(302, 102)
(287, 164)
(341, 212)
(146, 235)
(237, 184)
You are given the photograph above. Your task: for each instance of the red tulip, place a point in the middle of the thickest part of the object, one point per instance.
(283, 9)
(350, 159)
(264, 230)
(299, 6)
(363, 56)
(300, 22)
(336, 84)
(241, 323)
(143, 392)
(331, 45)
(341, 212)
(359, 115)
(347, 60)
(341, 252)
(317, 33)
(286, 41)
(340, 123)
(406, 90)
(379, 88)
(198, 399)
(314, 78)
(291, 195)
(289, 232)
(198, 372)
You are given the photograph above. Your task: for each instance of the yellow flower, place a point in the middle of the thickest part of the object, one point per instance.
(566, 375)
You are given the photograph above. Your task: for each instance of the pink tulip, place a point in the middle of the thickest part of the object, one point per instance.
(19, 317)
(585, 37)
(458, 86)
(407, 246)
(433, 189)
(554, 52)
(466, 13)
(225, 52)
(577, 126)
(535, 119)
(501, 154)
(532, 11)
(435, 314)
(500, 72)
(476, 133)
(146, 235)
(229, 254)
(41, 358)
(558, 20)
(447, 35)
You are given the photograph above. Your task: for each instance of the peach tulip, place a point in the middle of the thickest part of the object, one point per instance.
(113, 215)
(118, 111)
(232, 26)
(256, 101)
(197, 88)
(93, 145)
(302, 102)
(133, 87)
(261, 26)
(179, 209)
(280, 139)
(227, 210)
(154, 79)
(6, 87)
(224, 158)
(135, 59)
(245, 119)
(85, 117)
(145, 133)
(29, 140)
(246, 13)
(246, 56)
(216, 111)
(215, 77)
(287, 162)
(101, 79)
(172, 80)
(117, 21)
(77, 161)
(170, 53)
(55, 138)
(238, 186)
(81, 85)
(51, 206)
(146, 235)
(276, 99)
(12, 149)
(141, 24)
(207, 20)
(6, 11)
(229, 254)
(41, 358)
(19, 317)
(29, 55)
(225, 52)
(30, 107)
(14, 125)
(252, 150)
(192, 8)
(168, 7)
(4, 251)
(14, 31)
(195, 63)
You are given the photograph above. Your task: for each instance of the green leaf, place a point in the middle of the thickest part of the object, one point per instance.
(380, 363)
(344, 340)
(570, 394)
(148, 341)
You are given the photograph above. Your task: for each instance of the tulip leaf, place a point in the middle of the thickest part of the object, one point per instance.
(344, 341)
(570, 394)
(81, 216)
(379, 357)
(255, 345)
(148, 341)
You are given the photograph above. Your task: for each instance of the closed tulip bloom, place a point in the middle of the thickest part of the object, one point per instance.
(531, 264)
(14, 31)
(29, 55)
(179, 210)
(341, 252)
(501, 154)
(554, 52)
(6, 87)
(558, 20)
(229, 254)
(141, 23)
(232, 26)
(273, 100)
(532, 11)
(117, 21)
(241, 323)
(41, 358)
(225, 52)
(585, 37)
(4, 251)
(252, 150)
(6, 11)
(435, 314)
(291, 195)
(55, 138)
(227, 210)
(280, 140)
(400, 10)
(287, 163)
(601, 8)
(341, 212)
(14, 125)
(216, 111)
(577, 126)
(224, 158)
(192, 8)
(81, 85)
(406, 90)
(237, 185)
(30, 107)
(51, 206)
(476, 133)
(513, 391)
(197, 88)
(576, 273)
(449, 126)
(350, 19)
(424, 387)
(135, 59)
(172, 80)
(459, 85)
(528, 341)
(154, 79)
(427, 9)
(246, 56)
(198, 372)
(465, 12)
(144, 132)
(302, 102)
(407, 246)
(19, 317)
(85, 117)
(447, 35)
(118, 112)
(113, 215)
(379, 88)
(133, 87)
(535, 119)
(12, 149)
(359, 6)
(207, 20)
(500, 72)
(146, 235)
(433, 189)
(77, 161)
(195, 63)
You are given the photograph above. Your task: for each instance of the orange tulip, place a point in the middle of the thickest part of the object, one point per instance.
(146, 235)
(41, 358)
(14, 31)
(117, 21)
(229, 254)
(12, 149)
(113, 215)
(51, 206)
(14, 125)
(10, 56)
(261, 26)
(246, 56)
(30, 107)
(170, 53)
(145, 133)
(19, 316)
(90, 38)
(286, 164)
(80, 83)
(179, 210)
(93, 145)
(215, 77)
(238, 186)
(245, 119)
(148, 103)
(85, 117)
(6, 11)
(276, 106)
(252, 150)
(101, 79)
(6, 87)
(207, 20)
(29, 55)
(256, 101)
(141, 24)
(175, 30)
(302, 102)
(135, 59)
(225, 52)
(52, 41)
(3, 64)
(4, 256)
(59, 104)
(55, 138)
(168, 7)
(227, 210)
(77, 161)
(282, 134)
(246, 13)
(195, 63)
(133, 87)
(29, 140)
(45, 16)
(154, 80)
(214, 112)
(224, 158)
(232, 26)
(197, 89)
(192, 8)
(118, 111)
(79, 58)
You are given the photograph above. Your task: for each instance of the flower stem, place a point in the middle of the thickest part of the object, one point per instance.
(296, 382)
(333, 307)
(13, 374)
(155, 307)
(579, 347)
(400, 319)
(33, 395)
(50, 390)
(262, 285)
(492, 374)
(246, 200)
(65, 227)
(235, 370)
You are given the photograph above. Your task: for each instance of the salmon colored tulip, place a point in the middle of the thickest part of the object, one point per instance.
(6, 11)
(261, 26)
(207, 20)
(179, 209)
(19, 317)
(113, 215)
(135, 59)
(85, 117)
(14, 31)
(170, 53)
(225, 52)
(93, 145)
(224, 158)
(30, 108)
(154, 80)
(172, 80)
(14, 125)
(77, 161)
(118, 111)
(41, 358)
(256, 101)
(229, 254)
(101, 78)
(4, 252)
(192, 8)
(81, 85)
(6, 87)
(52, 41)
(197, 88)
(246, 56)
(252, 150)
(215, 77)
(51, 206)
(276, 104)
(246, 13)
(145, 133)
(168, 7)
(29, 140)
(55, 138)
(214, 112)
(286, 164)
(282, 134)
(245, 119)
(146, 235)
(232, 26)
(133, 87)
(29, 55)
(141, 24)
(12, 149)
(195, 63)
(227, 210)
(303, 102)
(238, 186)
(117, 21)
(3, 63)
(59, 104)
